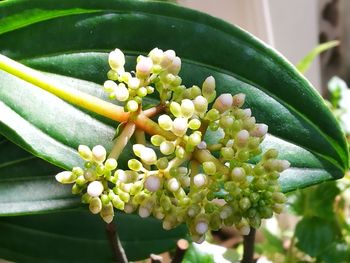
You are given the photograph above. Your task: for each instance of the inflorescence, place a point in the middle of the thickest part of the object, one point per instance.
(179, 180)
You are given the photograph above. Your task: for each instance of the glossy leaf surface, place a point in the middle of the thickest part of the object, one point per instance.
(70, 40)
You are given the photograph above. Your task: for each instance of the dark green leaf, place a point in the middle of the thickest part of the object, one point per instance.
(336, 253)
(315, 235)
(78, 236)
(71, 39)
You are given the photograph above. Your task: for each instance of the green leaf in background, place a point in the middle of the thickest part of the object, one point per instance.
(306, 62)
(79, 236)
(315, 235)
(70, 41)
(194, 255)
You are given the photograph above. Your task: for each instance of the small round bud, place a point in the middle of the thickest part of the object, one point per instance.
(66, 177)
(168, 58)
(226, 122)
(144, 66)
(173, 185)
(242, 138)
(247, 113)
(208, 89)
(180, 152)
(180, 126)
(95, 189)
(200, 180)
(134, 83)
(99, 154)
(244, 203)
(238, 174)
(200, 104)
(162, 163)
(85, 152)
(152, 183)
(227, 153)
(259, 130)
(116, 59)
(107, 213)
(121, 93)
(132, 106)
(144, 212)
(148, 156)
(142, 92)
(109, 86)
(156, 55)
(194, 124)
(137, 149)
(209, 168)
(165, 122)
(175, 67)
(223, 102)
(238, 100)
(279, 198)
(156, 140)
(112, 75)
(111, 164)
(187, 108)
(95, 205)
(213, 115)
(175, 109)
(226, 212)
(201, 227)
(202, 145)
(194, 139)
(167, 148)
(135, 165)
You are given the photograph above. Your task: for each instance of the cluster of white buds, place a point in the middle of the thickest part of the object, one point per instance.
(167, 181)
(159, 69)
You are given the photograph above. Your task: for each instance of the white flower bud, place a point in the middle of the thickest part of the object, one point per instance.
(244, 230)
(200, 180)
(148, 156)
(242, 137)
(179, 126)
(144, 212)
(99, 154)
(187, 108)
(152, 183)
(238, 100)
(85, 152)
(175, 67)
(200, 104)
(167, 148)
(132, 106)
(208, 89)
(165, 122)
(201, 227)
(129, 208)
(66, 177)
(223, 102)
(195, 138)
(109, 86)
(121, 92)
(202, 145)
(116, 59)
(95, 188)
(156, 55)
(173, 185)
(225, 212)
(95, 205)
(138, 148)
(247, 113)
(134, 83)
(144, 66)
(168, 58)
(259, 130)
(111, 164)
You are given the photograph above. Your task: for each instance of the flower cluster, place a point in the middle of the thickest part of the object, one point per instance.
(160, 69)
(184, 180)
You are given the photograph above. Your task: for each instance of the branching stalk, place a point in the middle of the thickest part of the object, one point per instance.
(116, 245)
(122, 140)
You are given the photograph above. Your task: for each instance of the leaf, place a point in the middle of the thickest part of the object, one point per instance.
(305, 63)
(78, 236)
(271, 245)
(315, 235)
(75, 37)
(194, 255)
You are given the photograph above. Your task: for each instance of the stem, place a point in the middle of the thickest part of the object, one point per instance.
(154, 110)
(248, 246)
(122, 140)
(114, 241)
(181, 248)
(141, 139)
(73, 96)
(205, 156)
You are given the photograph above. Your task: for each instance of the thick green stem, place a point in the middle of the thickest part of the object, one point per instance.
(205, 156)
(122, 140)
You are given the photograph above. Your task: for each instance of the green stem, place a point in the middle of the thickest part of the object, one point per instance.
(205, 156)
(122, 140)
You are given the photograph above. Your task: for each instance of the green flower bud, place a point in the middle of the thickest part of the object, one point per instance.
(167, 147)
(156, 140)
(244, 203)
(200, 104)
(195, 138)
(136, 187)
(142, 92)
(180, 152)
(226, 122)
(132, 106)
(193, 210)
(213, 126)
(194, 124)
(227, 153)
(265, 212)
(125, 197)
(165, 122)
(66, 177)
(165, 202)
(81, 181)
(162, 163)
(278, 208)
(213, 115)
(111, 164)
(187, 108)
(126, 176)
(105, 199)
(95, 205)
(85, 152)
(109, 86)
(107, 213)
(150, 89)
(215, 221)
(135, 165)
(208, 89)
(86, 198)
(209, 168)
(90, 175)
(243, 227)
(100, 169)
(279, 198)
(255, 222)
(173, 185)
(238, 174)
(175, 109)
